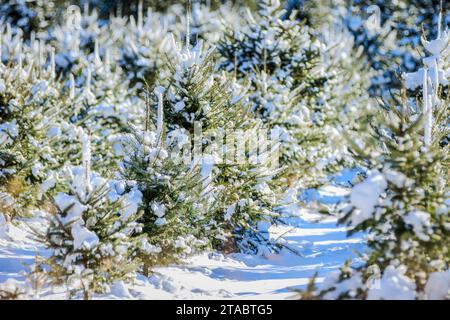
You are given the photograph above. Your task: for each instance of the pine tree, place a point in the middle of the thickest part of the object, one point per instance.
(302, 84)
(403, 202)
(89, 234)
(199, 101)
(168, 192)
(30, 15)
(274, 45)
(30, 104)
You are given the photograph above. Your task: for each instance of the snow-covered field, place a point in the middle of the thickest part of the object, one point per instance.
(319, 245)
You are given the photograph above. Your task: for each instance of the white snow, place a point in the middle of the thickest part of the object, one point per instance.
(312, 244)
(365, 195)
(421, 223)
(393, 285)
(69, 204)
(83, 238)
(438, 286)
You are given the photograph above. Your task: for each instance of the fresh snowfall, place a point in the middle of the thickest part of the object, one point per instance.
(251, 149)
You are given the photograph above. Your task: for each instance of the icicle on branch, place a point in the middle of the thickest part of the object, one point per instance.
(160, 120)
(86, 160)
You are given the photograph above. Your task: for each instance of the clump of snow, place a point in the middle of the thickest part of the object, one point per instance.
(159, 209)
(8, 131)
(70, 206)
(397, 178)
(438, 286)
(83, 238)
(348, 286)
(132, 200)
(365, 196)
(119, 289)
(393, 285)
(421, 223)
(14, 288)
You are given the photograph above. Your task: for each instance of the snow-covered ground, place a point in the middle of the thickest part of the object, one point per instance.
(319, 245)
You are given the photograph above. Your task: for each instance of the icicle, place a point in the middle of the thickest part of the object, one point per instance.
(140, 21)
(86, 9)
(160, 120)
(8, 33)
(436, 77)
(52, 63)
(429, 119)
(425, 110)
(188, 31)
(97, 59)
(235, 66)
(133, 24)
(424, 90)
(440, 21)
(72, 87)
(88, 79)
(32, 39)
(88, 95)
(107, 58)
(19, 58)
(86, 159)
(40, 56)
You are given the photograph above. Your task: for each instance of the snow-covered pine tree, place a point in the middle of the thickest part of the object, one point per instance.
(275, 45)
(30, 15)
(30, 104)
(199, 101)
(302, 84)
(143, 44)
(403, 203)
(167, 192)
(390, 34)
(89, 233)
(279, 58)
(101, 98)
(106, 106)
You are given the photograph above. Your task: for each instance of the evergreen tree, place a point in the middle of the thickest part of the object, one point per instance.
(403, 202)
(199, 101)
(167, 192)
(28, 15)
(89, 234)
(302, 84)
(30, 101)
